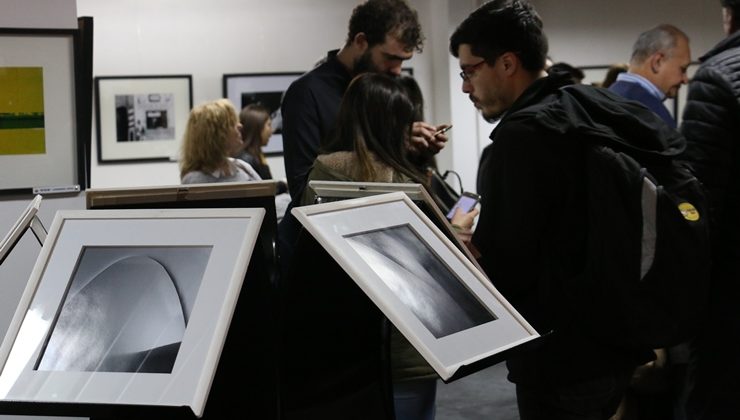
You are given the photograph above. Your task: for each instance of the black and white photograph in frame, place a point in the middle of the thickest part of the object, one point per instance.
(441, 302)
(266, 89)
(148, 116)
(141, 118)
(128, 307)
(327, 191)
(420, 280)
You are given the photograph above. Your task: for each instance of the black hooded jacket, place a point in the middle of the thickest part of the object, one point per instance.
(711, 125)
(532, 233)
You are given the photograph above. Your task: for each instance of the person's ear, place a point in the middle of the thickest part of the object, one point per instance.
(656, 62)
(360, 41)
(509, 63)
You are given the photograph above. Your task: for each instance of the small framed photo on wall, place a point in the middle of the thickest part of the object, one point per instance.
(141, 118)
(266, 89)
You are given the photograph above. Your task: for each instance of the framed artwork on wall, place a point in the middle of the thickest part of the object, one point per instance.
(128, 307)
(447, 309)
(141, 118)
(263, 88)
(38, 111)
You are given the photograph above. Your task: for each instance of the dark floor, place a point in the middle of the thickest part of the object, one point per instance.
(485, 395)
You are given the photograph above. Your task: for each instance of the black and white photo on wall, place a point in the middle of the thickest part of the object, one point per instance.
(141, 117)
(266, 89)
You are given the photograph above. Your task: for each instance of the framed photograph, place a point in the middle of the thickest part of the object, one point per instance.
(19, 228)
(38, 111)
(263, 88)
(128, 307)
(328, 191)
(447, 309)
(167, 196)
(141, 118)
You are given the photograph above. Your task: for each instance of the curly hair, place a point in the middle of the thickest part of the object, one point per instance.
(378, 18)
(205, 145)
(501, 26)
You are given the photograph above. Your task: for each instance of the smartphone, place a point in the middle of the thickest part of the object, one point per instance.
(442, 131)
(466, 202)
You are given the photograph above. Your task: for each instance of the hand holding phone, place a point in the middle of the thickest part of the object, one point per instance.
(466, 203)
(442, 130)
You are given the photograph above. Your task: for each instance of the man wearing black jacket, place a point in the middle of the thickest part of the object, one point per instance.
(531, 233)
(711, 125)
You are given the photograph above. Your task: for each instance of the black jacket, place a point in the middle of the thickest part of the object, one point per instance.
(532, 232)
(711, 124)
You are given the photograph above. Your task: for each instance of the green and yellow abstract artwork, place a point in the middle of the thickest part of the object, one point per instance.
(22, 129)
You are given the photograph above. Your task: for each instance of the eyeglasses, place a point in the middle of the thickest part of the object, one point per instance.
(470, 70)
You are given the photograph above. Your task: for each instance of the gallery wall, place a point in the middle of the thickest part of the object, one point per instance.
(209, 39)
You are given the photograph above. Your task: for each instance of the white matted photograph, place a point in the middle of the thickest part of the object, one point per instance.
(128, 307)
(38, 110)
(440, 301)
(141, 118)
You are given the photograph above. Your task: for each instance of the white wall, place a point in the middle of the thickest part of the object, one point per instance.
(590, 32)
(208, 39)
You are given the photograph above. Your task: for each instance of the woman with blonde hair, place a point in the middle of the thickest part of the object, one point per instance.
(212, 136)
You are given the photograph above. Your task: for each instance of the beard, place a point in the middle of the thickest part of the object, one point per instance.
(364, 64)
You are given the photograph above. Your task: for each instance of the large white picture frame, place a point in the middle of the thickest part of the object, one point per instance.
(155, 291)
(439, 300)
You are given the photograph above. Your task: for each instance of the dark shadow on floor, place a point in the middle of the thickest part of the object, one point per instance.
(483, 395)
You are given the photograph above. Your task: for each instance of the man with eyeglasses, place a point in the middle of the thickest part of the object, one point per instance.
(531, 232)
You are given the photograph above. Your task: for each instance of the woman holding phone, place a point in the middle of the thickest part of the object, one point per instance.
(371, 143)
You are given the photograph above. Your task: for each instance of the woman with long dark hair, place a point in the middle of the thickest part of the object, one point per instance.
(256, 132)
(370, 139)
(370, 143)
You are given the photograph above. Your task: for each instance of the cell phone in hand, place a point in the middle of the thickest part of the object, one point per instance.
(466, 202)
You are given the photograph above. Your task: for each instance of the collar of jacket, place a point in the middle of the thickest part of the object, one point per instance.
(731, 41)
(535, 93)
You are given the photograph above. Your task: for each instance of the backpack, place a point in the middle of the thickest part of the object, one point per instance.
(647, 258)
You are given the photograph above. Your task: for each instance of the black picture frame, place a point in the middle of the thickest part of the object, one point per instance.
(141, 117)
(268, 89)
(51, 138)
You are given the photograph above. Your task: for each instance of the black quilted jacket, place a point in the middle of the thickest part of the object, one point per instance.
(711, 125)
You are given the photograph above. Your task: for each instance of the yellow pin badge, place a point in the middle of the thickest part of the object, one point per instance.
(688, 211)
